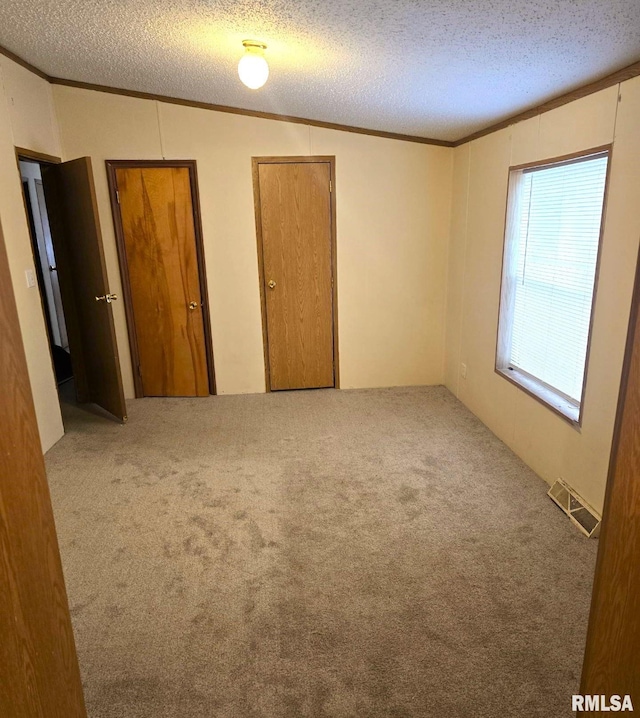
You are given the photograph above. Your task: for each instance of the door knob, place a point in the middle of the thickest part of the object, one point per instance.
(193, 305)
(108, 298)
(272, 284)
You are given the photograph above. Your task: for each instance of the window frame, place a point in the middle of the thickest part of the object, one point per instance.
(560, 404)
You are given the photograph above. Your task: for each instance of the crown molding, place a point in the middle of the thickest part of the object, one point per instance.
(249, 113)
(221, 108)
(27, 65)
(615, 78)
(626, 73)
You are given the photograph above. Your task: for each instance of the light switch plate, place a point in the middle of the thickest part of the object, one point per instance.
(31, 277)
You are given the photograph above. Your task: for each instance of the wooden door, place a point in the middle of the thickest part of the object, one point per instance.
(77, 241)
(612, 656)
(39, 675)
(158, 232)
(295, 217)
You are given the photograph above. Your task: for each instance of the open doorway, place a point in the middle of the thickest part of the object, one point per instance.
(48, 281)
(70, 273)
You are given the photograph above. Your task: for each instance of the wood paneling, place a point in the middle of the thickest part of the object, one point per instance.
(612, 656)
(159, 237)
(39, 676)
(77, 241)
(295, 221)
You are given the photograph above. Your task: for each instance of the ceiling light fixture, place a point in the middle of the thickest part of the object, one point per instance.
(253, 68)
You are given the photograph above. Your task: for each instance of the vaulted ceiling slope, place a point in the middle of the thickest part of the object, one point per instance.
(431, 68)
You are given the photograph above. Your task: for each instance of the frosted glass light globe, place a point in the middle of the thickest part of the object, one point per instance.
(253, 69)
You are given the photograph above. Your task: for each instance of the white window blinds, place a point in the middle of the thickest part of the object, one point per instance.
(551, 252)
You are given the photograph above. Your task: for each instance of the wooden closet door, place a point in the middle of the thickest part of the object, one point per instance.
(295, 213)
(156, 209)
(39, 674)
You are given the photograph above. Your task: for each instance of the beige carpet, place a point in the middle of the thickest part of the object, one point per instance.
(341, 554)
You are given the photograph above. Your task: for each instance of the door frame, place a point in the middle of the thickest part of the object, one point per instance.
(68, 307)
(315, 159)
(617, 528)
(112, 166)
(38, 158)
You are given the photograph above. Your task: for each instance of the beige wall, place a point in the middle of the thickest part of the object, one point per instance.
(397, 228)
(27, 120)
(544, 441)
(393, 203)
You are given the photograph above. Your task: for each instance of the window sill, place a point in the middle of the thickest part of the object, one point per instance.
(558, 403)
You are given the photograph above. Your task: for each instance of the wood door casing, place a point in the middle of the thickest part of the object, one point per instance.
(612, 654)
(77, 240)
(158, 231)
(295, 227)
(39, 675)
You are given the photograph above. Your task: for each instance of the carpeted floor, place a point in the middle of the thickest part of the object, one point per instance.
(339, 554)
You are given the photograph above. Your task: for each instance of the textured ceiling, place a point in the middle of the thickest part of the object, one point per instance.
(433, 68)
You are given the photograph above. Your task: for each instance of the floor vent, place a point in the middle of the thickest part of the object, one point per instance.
(577, 509)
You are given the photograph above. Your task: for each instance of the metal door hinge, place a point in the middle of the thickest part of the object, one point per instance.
(330, 186)
(118, 196)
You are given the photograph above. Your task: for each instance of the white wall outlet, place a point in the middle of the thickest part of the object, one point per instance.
(31, 277)
(463, 370)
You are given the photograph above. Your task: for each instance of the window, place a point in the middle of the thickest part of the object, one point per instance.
(552, 236)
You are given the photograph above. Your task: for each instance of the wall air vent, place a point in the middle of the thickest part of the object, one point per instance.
(576, 508)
